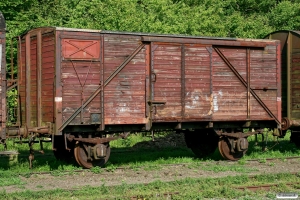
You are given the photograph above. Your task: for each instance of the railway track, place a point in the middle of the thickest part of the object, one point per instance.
(265, 187)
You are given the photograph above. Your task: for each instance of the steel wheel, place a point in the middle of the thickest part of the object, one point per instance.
(81, 157)
(220, 149)
(224, 149)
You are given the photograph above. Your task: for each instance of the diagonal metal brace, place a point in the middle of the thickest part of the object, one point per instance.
(97, 91)
(246, 84)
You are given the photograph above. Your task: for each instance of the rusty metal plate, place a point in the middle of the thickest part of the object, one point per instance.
(80, 49)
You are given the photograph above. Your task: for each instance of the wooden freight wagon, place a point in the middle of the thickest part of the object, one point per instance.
(290, 66)
(80, 85)
(2, 79)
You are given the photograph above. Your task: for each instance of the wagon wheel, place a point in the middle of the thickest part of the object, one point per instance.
(202, 144)
(224, 149)
(61, 153)
(81, 156)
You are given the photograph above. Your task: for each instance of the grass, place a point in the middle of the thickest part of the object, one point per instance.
(149, 158)
(223, 168)
(189, 188)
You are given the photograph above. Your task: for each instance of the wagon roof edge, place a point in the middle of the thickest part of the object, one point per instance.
(54, 28)
(284, 31)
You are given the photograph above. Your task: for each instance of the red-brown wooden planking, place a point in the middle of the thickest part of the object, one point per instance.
(48, 58)
(33, 81)
(124, 96)
(80, 79)
(197, 82)
(295, 77)
(230, 95)
(22, 80)
(186, 81)
(167, 84)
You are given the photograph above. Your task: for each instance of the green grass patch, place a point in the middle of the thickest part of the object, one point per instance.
(223, 168)
(139, 151)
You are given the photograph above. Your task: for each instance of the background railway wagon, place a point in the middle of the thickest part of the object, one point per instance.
(290, 54)
(81, 84)
(2, 78)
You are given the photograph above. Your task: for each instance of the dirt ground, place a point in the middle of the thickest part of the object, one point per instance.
(164, 173)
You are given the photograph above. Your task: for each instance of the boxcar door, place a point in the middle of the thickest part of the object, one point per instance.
(181, 82)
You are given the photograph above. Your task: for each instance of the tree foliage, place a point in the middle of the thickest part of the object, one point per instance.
(227, 18)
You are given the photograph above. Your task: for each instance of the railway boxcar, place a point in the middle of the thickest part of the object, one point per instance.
(2, 79)
(79, 86)
(290, 54)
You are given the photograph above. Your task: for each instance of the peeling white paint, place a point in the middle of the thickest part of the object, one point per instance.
(123, 109)
(220, 93)
(58, 99)
(215, 103)
(68, 109)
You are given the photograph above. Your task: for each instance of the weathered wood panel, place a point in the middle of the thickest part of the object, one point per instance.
(230, 97)
(166, 73)
(295, 78)
(197, 82)
(48, 64)
(124, 96)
